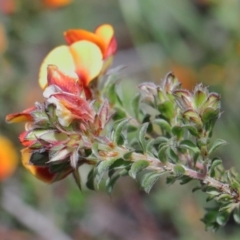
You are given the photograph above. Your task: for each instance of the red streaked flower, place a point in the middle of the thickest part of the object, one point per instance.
(82, 57)
(60, 130)
(88, 54)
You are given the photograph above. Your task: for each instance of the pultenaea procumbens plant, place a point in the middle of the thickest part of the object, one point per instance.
(83, 121)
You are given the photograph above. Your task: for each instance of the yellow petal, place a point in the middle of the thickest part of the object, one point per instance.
(88, 60)
(105, 32)
(59, 56)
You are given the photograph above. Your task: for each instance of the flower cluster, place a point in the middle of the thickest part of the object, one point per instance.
(60, 131)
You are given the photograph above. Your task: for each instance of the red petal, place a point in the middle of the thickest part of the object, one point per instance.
(66, 82)
(76, 105)
(24, 116)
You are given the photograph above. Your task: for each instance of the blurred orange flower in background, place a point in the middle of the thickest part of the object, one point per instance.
(56, 3)
(8, 6)
(8, 158)
(87, 54)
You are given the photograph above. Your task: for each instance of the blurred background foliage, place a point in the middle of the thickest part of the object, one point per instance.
(199, 40)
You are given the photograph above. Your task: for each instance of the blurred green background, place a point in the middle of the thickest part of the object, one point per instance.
(199, 40)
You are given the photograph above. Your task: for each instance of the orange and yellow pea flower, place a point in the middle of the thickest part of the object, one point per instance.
(42, 173)
(8, 158)
(85, 54)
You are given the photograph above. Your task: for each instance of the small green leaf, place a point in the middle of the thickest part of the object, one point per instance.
(141, 136)
(135, 105)
(192, 130)
(222, 218)
(199, 98)
(137, 167)
(178, 131)
(217, 143)
(162, 154)
(185, 179)
(187, 144)
(102, 168)
(150, 179)
(210, 114)
(127, 156)
(164, 125)
(110, 182)
(167, 109)
(77, 178)
(171, 179)
(171, 154)
(193, 117)
(118, 130)
(90, 179)
(215, 162)
(178, 170)
(236, 215)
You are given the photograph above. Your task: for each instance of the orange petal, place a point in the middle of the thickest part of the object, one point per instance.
(59, 56)
(106, 33)
(88, 60)
(8, 158)
(24, 116)
(74, 35)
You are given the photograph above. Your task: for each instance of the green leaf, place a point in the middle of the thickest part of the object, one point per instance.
(141, 136)
(209, 114)
(217, 143)
(185, 179)
(215, 162)
(171, 154)
(178, 170)
(236, 215)
(119, 114)
(187, 144)
(150, 179)
(199, 98)
(77, 178)
(167, 109)
(192, 130)
(90, 179)
(110, 182)
(162, 154)
(102, 168)
(137, 167)
(222, 218)
(127, 156)
(135, 105)
(178, 131)
(171, 179)
(118, 128)
(164, 125)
